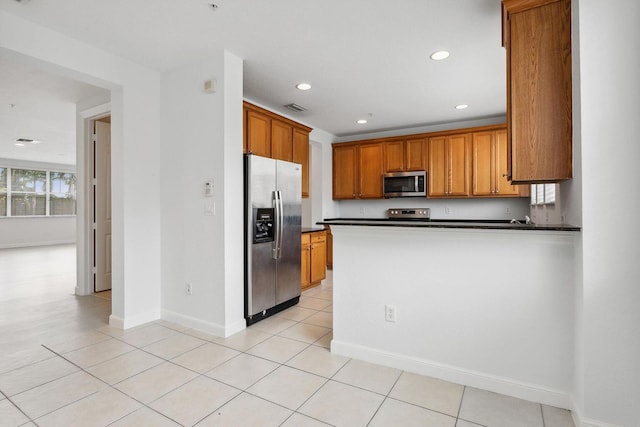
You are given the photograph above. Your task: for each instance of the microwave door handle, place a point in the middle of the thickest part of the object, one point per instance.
(416, 188)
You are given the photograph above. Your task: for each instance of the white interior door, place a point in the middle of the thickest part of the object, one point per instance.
(102, 206)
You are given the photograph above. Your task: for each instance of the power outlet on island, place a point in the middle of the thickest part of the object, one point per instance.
(390, 313)
(188, 288)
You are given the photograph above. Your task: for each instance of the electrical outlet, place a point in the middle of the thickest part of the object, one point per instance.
(507, 210)
(188, 288)
(447, 210)
(390, 313)
(362, 211)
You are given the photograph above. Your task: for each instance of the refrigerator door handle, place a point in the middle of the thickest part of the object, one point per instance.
(280, 224)
(276, 235)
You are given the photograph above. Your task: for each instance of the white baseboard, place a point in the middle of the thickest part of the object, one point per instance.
(32, 244)
(580, 421)
(192, 322)
(132, 322)
(116, 321)
(506, 386)
(235, 328)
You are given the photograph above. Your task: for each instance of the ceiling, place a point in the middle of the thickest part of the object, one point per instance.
(364, 58)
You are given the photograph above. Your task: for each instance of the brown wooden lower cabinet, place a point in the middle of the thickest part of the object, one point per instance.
(313, 259)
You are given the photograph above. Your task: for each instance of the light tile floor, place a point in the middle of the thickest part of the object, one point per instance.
(62, 365)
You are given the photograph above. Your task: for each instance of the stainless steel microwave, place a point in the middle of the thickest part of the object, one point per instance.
(404, 184)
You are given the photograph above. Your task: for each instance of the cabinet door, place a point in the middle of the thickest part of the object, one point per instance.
(539, 90)
(394, 156)
(344, 172)
(318, 261)
(370, 171)
(415, 154)
(437, 175)
(281, 141)
(503, 186)
(301, 155)
(305, 261)
(459, 164)
(258, 134)
(483, 163)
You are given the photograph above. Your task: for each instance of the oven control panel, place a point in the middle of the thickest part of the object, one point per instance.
(409, 213)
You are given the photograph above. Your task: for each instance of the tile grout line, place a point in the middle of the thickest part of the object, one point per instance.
(206, 341)
(18, 408)
(108, 386)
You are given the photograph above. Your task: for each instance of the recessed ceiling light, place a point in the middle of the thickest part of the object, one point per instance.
(303, 86)
(461, 106)
(18, 144)
(440, 55)
(361, 121)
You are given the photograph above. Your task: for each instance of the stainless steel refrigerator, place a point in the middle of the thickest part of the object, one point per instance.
(272, 208)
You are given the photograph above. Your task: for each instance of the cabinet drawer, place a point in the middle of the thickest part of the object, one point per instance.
(306, 239)
(318, 237)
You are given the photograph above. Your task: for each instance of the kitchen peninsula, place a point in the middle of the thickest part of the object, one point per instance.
(488, 305)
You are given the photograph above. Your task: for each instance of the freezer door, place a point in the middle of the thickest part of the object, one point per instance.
(260, 182)
(289, 184)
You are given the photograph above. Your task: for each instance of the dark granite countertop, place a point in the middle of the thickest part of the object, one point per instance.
(311, 229)
(438, 223)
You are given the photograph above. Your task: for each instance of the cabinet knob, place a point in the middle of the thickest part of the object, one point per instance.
(506, 175)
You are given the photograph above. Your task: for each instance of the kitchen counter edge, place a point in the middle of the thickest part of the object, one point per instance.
(475, 224)
(311, 229)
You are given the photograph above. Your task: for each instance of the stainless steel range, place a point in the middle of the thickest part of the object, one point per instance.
(423, 214)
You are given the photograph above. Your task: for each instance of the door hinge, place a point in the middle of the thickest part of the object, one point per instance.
(94, 226)
(94, 270)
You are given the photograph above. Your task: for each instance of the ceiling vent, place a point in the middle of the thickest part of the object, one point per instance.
(25, 140)
(295, 107)
(23, 1)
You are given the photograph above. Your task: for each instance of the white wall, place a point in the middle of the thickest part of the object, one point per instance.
(497, 209)
(471, 306)
(16, 232)
(609, 129)
(202, 140)
(135, 171)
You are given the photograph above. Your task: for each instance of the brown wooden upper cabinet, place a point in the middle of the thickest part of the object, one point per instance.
(449, 166)
(537, 36)
(258, 134)
(268, 134)
(405, 155)
(489, 156)
(357, 171)
(281, 140)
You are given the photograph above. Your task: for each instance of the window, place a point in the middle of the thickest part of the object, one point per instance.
(30, 192)
(3, 191)
(62, 193)
(543, 194)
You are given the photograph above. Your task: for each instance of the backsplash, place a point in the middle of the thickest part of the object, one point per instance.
(495, 209)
